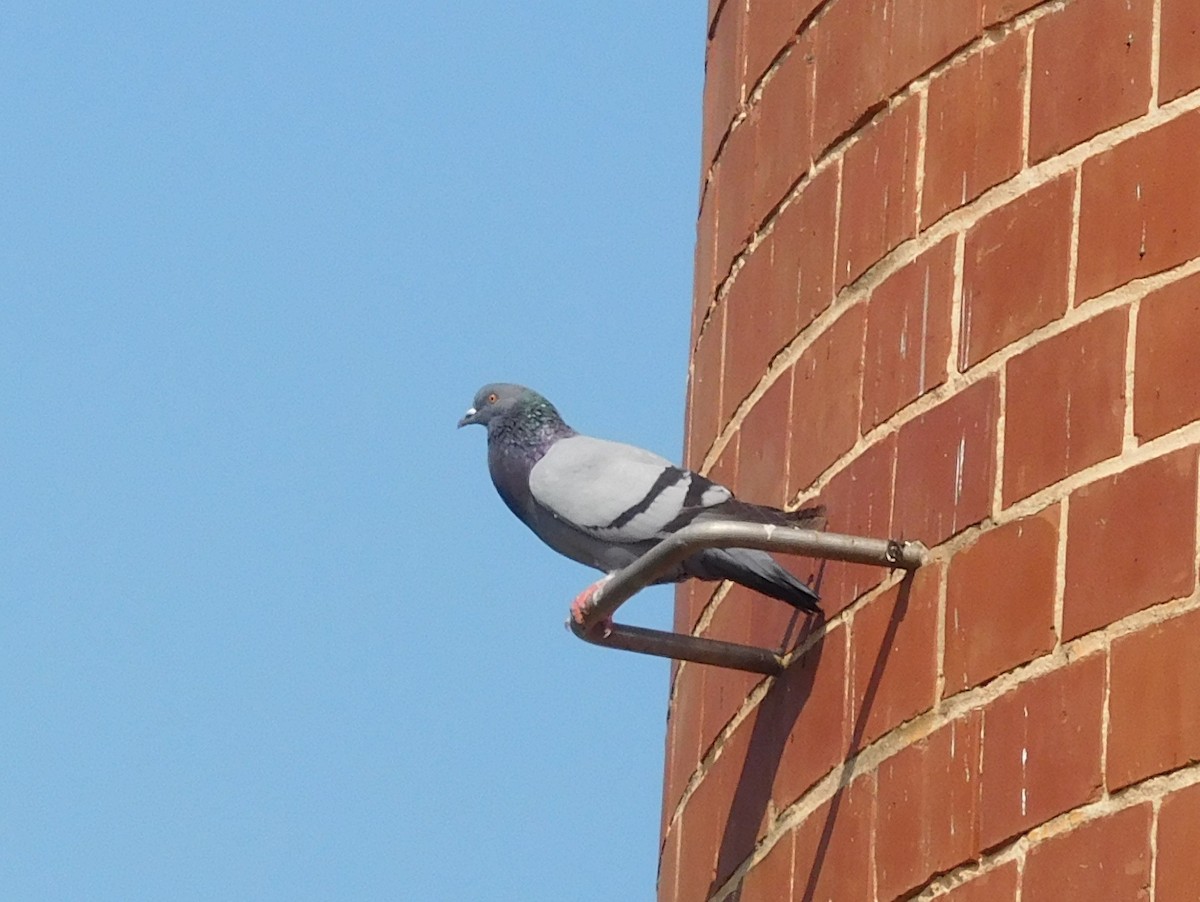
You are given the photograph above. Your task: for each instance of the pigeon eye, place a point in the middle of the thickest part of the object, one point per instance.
(493, 398)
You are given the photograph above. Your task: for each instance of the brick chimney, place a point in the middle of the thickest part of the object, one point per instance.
(948, 282)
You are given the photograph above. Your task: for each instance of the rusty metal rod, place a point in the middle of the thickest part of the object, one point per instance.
(623, 584)
(665, 644)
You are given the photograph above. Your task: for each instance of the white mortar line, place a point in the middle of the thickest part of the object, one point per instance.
(922, 139)
(1129, 439)
(1155, 812)
(1073, 247)
(1001, 426)
(1104, 719)
(1060, 569)
(1155, 64)
(1027, 99)
(940, 638)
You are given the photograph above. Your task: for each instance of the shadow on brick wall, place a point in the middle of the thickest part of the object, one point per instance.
(775, 717)
(773, 722)
(860, 724)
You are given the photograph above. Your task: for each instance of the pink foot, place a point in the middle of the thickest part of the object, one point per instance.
(583, 603)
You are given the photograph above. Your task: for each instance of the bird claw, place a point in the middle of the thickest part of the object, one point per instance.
(582, 605)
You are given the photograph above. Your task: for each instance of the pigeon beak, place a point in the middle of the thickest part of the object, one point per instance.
(468, 418)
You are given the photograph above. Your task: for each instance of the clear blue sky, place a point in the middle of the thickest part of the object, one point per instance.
(266, 632)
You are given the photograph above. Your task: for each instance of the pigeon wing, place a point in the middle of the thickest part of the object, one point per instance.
(619, 493)
(610, 502)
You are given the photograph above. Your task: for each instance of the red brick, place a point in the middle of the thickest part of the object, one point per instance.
(1178, 865)
(850, 42)
(715, 836)
(1015, 270)
(690, 600)
(725, 690)
(694, 880)
(704, 290)
(826, 387)
(692, 597)
(687, 423)
(1154, 702)
(1179, 67)
(703, 593)
(725, 472)
(733, 182)
(780, 626)
(763, 449)
(908, 334)
(697, 850)
(1000, 596)
(802, 248)
(807, 705)
(1041, 749)
(671, 776)
(714, 9)
(771, 879)
(786, 277)
(1091, 72)
(683, 735)
(996, 11)
(761, 323)
(668, 868)
(946, 466)
(1168, 360)
(785, 128)
(893, 656)
(762, 314)
(1065, 404)
(926, 32)
(832, 855)
(1107, 858)
(766, 622)
(996, 885)
(1131, 542)
(928, 819)
(868, 49)
(745, 772)
(725, 468)
(859, 501)
(771, 25)
(1140, 207)
(975, 116)
(682, 621)
(705, 388)
(879, 195)
(686, 711)
(724, 77)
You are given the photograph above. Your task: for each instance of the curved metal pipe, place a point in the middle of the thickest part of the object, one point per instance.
(628, 581)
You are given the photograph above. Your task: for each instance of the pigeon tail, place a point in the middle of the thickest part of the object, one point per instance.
(812, 517)
(808, 517)
(755, 570)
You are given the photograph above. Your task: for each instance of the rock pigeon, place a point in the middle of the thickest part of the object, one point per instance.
(604, 503)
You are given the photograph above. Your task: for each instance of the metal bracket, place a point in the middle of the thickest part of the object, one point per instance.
(623, 584)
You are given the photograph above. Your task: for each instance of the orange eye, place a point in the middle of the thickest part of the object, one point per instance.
(493, 398)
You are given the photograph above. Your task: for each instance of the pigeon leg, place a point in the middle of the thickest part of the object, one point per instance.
(583, 602)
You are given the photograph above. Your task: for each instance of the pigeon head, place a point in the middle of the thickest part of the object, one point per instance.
(502, 403)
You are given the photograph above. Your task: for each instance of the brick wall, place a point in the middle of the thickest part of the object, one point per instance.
(948, 281)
